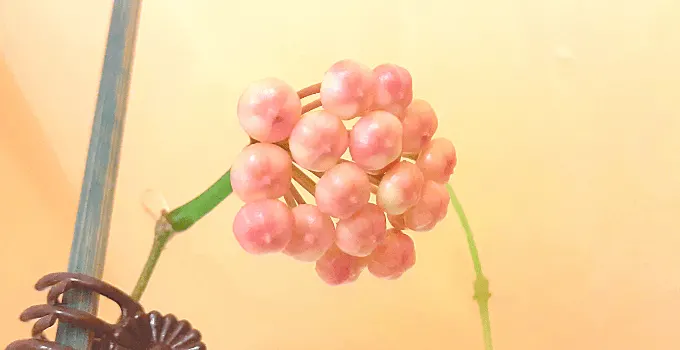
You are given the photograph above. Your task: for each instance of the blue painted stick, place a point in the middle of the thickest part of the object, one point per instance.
(91, 233)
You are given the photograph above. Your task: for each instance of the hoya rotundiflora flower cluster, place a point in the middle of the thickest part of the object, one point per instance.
(365, 155)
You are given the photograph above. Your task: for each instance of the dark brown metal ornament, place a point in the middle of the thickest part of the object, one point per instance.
(135, 330)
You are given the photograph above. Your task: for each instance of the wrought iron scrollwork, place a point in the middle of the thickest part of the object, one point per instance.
(135, 329)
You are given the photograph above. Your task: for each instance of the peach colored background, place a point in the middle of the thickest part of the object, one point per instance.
(566, 115)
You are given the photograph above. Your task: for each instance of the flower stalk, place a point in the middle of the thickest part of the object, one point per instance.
(163, 235)
(178, 220)
(481, 284)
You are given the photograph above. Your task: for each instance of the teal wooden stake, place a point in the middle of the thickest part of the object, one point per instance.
(90, 237)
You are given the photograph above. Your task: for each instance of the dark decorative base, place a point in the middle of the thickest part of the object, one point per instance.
(135, 330)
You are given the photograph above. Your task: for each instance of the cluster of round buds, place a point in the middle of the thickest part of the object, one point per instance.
(396, 171)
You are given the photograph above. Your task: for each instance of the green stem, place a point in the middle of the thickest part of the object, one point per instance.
(159, 242)
(178, 220)
(481, 284)
(188, 214)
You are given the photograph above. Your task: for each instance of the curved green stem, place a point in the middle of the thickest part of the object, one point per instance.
(188, 214)
(481, 284)
(178, 220)
(159, 243)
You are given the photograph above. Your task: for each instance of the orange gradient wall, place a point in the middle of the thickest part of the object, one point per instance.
(566, 116)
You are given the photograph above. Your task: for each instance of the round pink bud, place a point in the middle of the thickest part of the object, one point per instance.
(375, 140)
(342, 190)
(393, 256)
(347, 89)
(318, 141)
(268, 110)
(394, 89)
(313, 234)
(437, 160)
(431, 208)
(336, 267)
(261, 171)
(264, 226)
(400, 188)
(419, 123)
(359, 234)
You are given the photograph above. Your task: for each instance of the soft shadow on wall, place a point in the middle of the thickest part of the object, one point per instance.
(37, 209)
